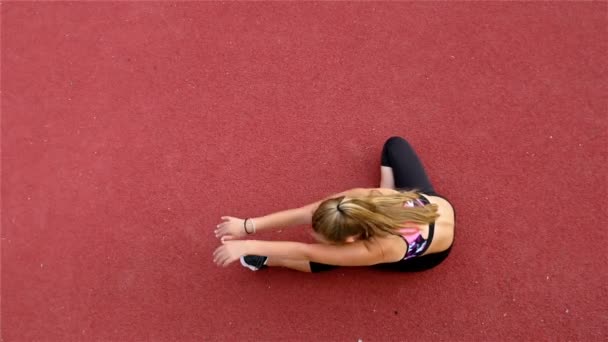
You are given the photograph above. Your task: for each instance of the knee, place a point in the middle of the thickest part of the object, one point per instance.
(394, 141)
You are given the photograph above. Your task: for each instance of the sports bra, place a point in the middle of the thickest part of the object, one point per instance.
(416, 243)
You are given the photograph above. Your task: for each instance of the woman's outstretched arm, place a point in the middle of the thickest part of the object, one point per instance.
(232, 226)
(360, 253)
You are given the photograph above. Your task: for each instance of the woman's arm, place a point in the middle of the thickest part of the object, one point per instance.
(298, 216)
(285, 218)
(282, 219)
(358, 253)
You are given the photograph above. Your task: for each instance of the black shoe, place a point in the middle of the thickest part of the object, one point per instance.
(254, 262)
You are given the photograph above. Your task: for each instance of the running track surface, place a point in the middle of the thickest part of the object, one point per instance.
(128, 129)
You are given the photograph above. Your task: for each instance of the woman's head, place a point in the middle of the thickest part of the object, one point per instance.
(344, 219)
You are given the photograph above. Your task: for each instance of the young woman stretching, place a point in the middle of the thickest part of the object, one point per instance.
(404, 225)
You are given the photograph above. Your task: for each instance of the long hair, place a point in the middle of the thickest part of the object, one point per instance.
(336, 219)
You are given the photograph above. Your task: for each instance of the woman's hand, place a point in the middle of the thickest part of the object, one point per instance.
(230, 227)
(229, 251)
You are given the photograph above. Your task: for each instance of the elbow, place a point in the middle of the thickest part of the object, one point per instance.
(304, 252)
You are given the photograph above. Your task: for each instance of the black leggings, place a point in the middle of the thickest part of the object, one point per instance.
(409, 174)
(408, 171)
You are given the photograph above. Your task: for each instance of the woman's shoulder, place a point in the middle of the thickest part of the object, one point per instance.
(358, 192)
(445, 207)
(391, 247)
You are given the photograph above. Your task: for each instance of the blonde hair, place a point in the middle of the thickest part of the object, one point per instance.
(339, 218)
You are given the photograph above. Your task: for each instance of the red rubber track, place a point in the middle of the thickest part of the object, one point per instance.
(129, 128)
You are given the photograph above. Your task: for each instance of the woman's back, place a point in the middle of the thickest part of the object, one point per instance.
(414, 235)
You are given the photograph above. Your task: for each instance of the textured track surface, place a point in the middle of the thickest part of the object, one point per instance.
(128, 129)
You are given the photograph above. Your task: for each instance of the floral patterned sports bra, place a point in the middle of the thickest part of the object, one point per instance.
(416, 244)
